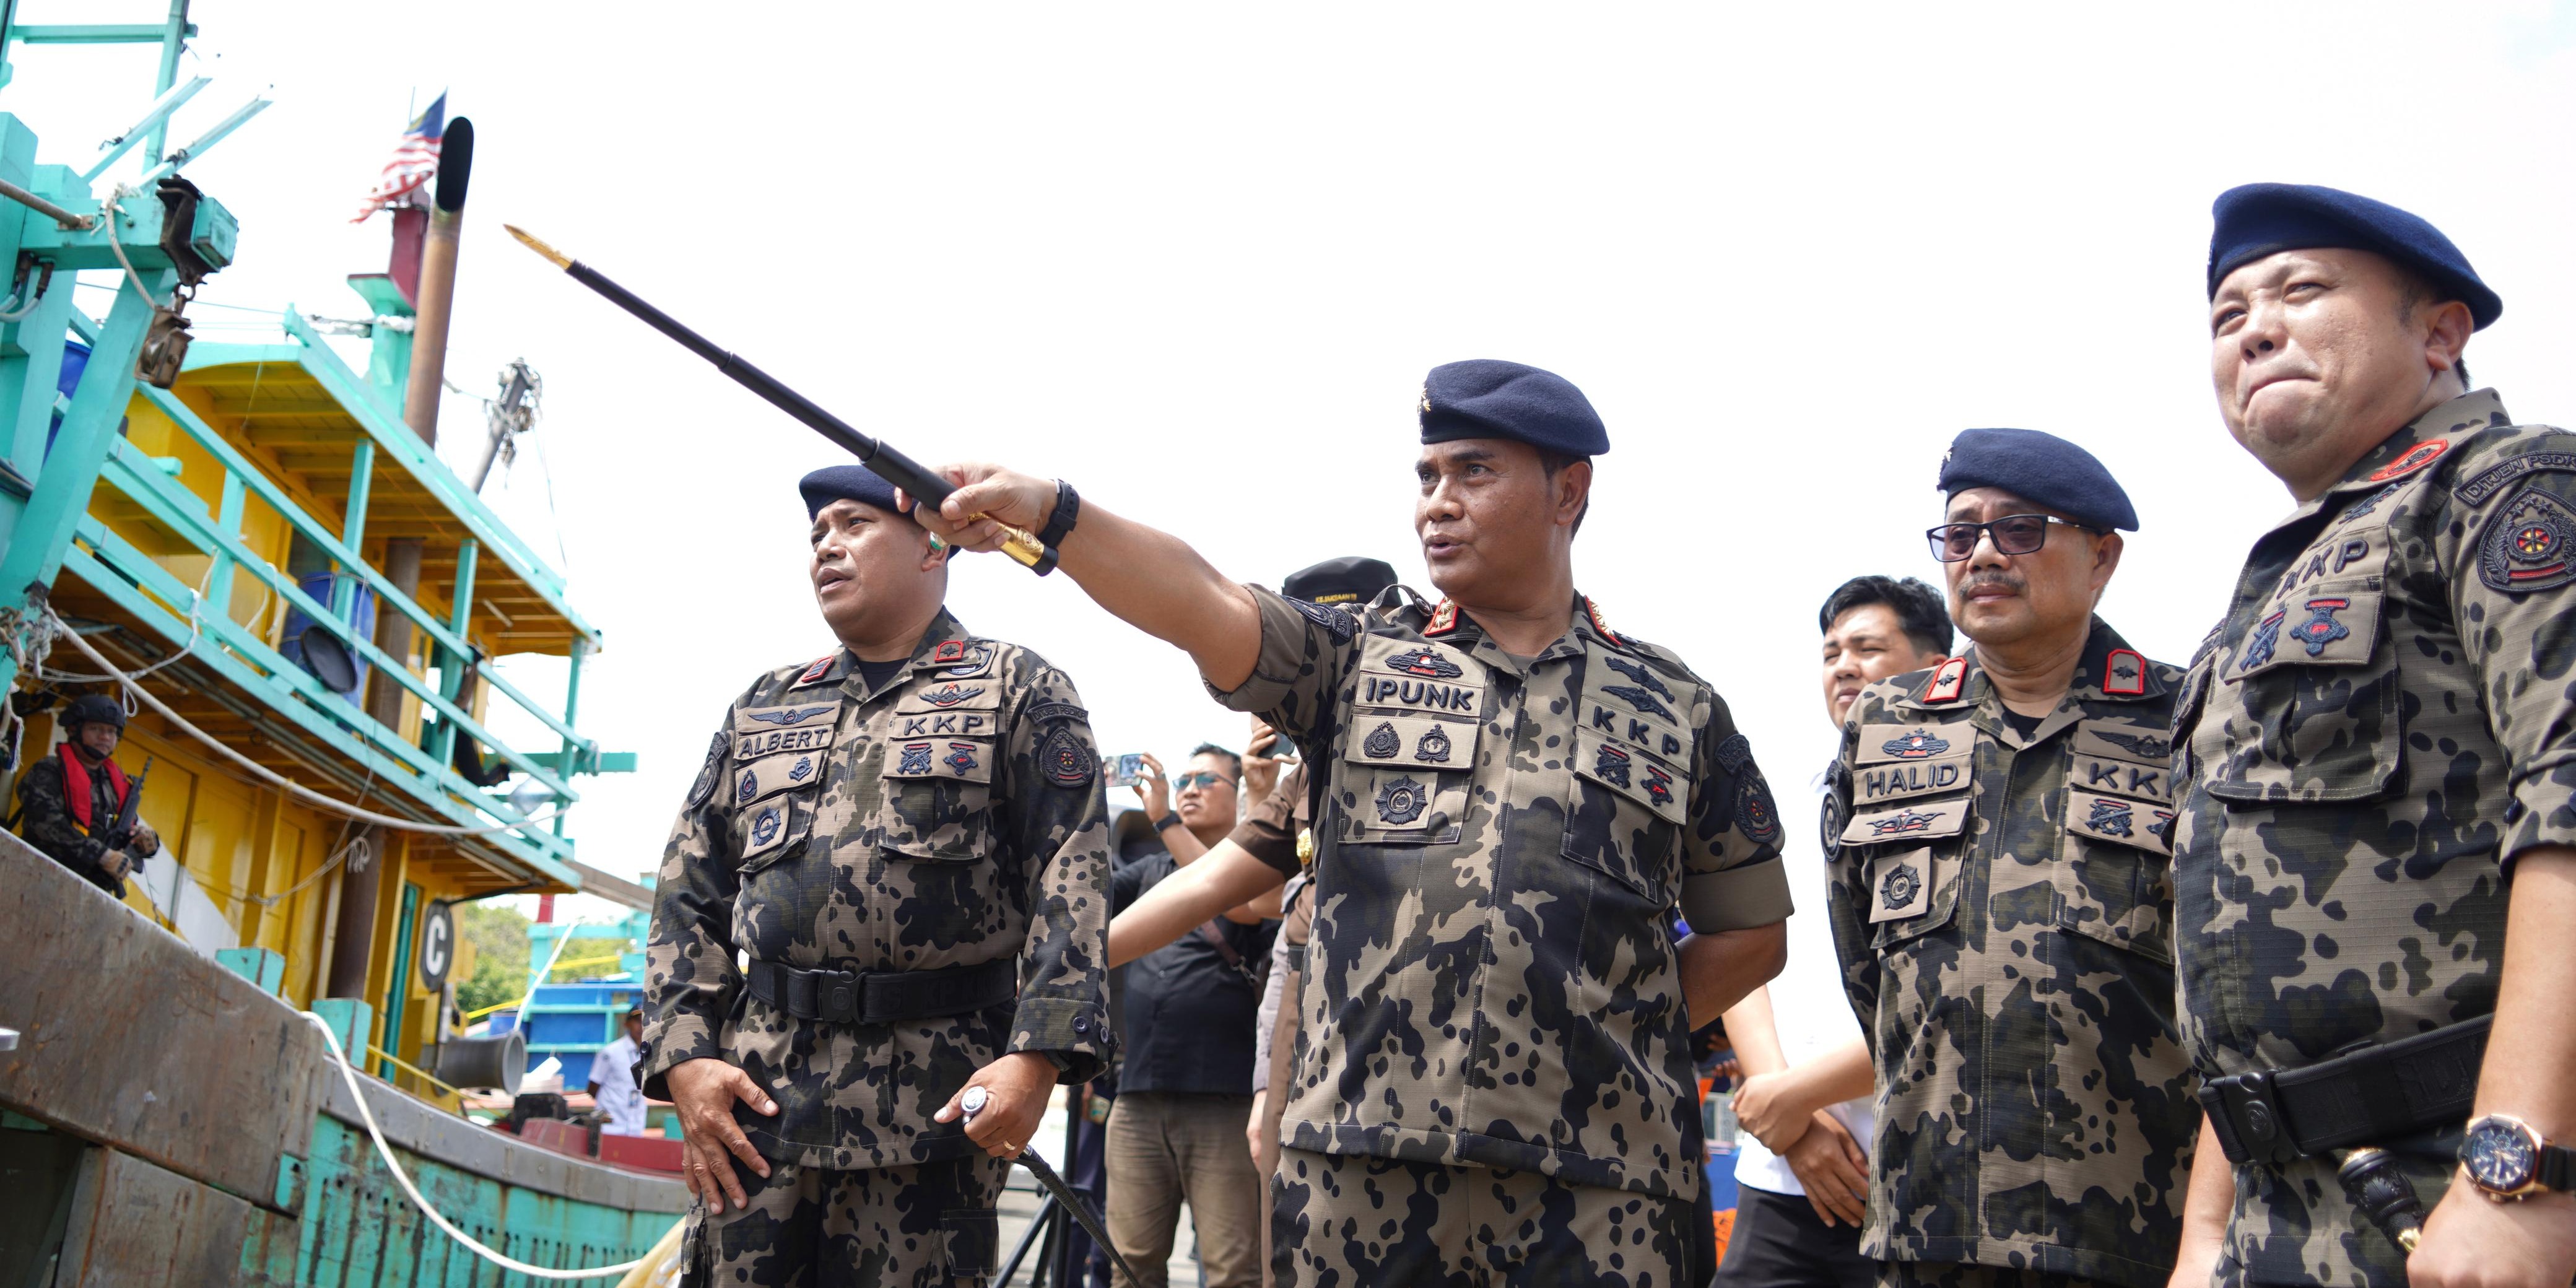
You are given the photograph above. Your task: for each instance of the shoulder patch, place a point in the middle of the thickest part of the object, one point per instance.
(822, 667)
(2526, 547)
(2491, 480)
(1734, 753)
(705, 786)
(1063, 758)
(1337, 622)
(1444, 619)
(1949, 683)
(2416, 458)
(2124, 672)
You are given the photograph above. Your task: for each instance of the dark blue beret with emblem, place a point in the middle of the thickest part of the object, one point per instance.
(2260, 219)
(1349, 580)
(845, 482)
(1487, 398)
(2040, 468)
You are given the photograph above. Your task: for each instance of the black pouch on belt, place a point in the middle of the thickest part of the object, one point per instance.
(2358, 1096)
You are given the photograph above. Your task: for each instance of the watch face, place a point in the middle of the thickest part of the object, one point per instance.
(2499, 1156)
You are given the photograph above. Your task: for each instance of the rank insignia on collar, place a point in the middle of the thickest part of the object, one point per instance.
(916, 759)
(2258, 648)
(1593, 610)
(1949, 683)
(1918, 745)
(949, 653)
(961, 757)
(950, 696)
(2321, 628)
(1444, 619)
(2526, 545)
(1644, 678)
(2416, 458)
(1425, 661)
(1434, 745)
(1401, 801)
(2124, 673)
(786, 715)
(1902, 822)
(1900, 887)
(1612, 765)
(2110, 817)
(803, 769)
(822, 667)
(1643, 701)
(1382, 742)
(750, 787)
(764, 829)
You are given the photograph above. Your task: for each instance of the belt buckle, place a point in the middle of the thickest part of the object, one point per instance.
(2255, 1109)
(837, 994)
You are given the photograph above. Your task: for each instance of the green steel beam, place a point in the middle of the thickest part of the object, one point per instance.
(95, 33)
(353, 524)
(228, 520)
(174, 37)
(398, 981)
(451, 666)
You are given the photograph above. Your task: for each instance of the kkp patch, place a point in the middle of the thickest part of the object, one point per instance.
(2416, 458)
(710, 772)
(1063, 759)
(1336, 622)
(2526, 545)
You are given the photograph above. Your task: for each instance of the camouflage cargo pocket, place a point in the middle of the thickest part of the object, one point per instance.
(971, 1243)
(2114, 877)
(1403, 777)
(1624, 815)
(772, 830)
(2319, 719)
(1913, 891)
(937, 800)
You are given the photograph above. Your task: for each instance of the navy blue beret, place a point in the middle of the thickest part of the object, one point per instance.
(2262, 219)
(1349, 580)
(1485, 398)
(851, 482)
(2042, 469)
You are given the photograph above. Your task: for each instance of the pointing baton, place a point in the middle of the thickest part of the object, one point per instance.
(971, 1104)
(904, 472)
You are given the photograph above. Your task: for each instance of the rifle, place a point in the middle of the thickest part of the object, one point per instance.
(120, 831)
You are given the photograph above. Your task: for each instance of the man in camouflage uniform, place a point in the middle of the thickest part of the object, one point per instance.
(1493, 1079)
(2001, 906)
(908, 838)
(67, 801)
(2377, 745)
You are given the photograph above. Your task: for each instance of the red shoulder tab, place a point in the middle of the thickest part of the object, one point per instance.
(948, 653)
(2124, 673)
(1949, 683)
(1594, 611)
(2416, 458)
(1444, 619)
(822, 667)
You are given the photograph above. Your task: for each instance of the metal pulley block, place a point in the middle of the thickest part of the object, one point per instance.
(165, 348)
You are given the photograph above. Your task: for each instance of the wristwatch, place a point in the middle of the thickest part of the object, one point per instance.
(2508, 1161)
(1167, 822)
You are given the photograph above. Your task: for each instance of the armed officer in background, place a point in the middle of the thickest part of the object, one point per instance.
(2002, 907)
(1494, 1076)
(908, 838)
(68, 802)
(2378, 746)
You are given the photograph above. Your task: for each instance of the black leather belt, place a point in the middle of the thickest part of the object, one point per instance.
(2371, 1094)
(885, 997)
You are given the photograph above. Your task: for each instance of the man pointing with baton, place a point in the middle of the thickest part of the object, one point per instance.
(1493, 1076)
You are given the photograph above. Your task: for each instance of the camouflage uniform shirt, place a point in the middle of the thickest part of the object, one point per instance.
(1499, 850)
(951, 817)
(46, 821)
(2003, 909)
(2381, 722)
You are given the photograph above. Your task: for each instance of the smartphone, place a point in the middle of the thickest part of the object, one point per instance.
(1127, 770)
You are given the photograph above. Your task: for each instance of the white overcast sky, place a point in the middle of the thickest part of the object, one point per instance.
(1197, 259)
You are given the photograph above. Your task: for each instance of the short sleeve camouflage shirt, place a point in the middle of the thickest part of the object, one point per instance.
(952, 817)
(1500, 847)
(2002, 907)
(2383, 719)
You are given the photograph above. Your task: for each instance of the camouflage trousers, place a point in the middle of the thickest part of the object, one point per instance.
(1358, 1221)
(930, 1225)
(1956, 1274)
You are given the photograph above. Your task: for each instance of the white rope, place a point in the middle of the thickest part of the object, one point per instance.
(386, 1152)
(270, 776)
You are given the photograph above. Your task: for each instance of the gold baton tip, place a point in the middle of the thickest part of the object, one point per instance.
(529, 240)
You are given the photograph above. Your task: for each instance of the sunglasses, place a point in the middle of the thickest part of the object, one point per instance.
(2014, 534)
(1200, 779)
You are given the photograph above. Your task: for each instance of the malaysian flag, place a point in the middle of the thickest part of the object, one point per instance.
(414, 162)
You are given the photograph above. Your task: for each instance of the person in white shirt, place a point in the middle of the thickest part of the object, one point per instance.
(1802, 1175)
(612, 1080)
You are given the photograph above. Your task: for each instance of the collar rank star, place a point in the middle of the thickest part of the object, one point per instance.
(2416, 458)
(1950, 683)
(1444, 619)
(2124, 673)
(1594, 611)
(948, 653)
(822, 667)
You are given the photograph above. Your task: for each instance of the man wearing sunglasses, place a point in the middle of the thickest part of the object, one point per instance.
(2375, 868)
(1493, 1081)
(1185, 1080)
(2001, 902)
